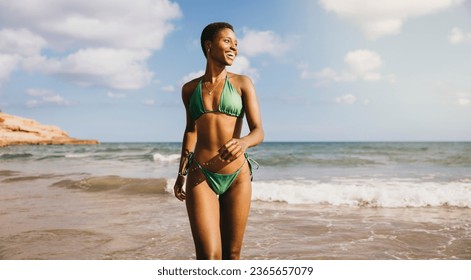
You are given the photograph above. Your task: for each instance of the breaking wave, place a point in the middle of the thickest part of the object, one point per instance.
(366, 193)
(116, 184)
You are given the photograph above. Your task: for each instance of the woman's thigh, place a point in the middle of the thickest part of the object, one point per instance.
(203, 211)
(235, 208)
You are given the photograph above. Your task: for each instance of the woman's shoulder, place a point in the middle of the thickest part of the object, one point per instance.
(239, 78)
(242, 82)
(190, 86)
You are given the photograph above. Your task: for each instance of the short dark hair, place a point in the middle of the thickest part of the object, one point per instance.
(210, 31)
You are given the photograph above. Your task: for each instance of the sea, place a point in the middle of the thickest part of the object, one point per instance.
(310, 201)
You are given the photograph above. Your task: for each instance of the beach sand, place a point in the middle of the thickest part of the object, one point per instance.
(41, 220)
(330, 232)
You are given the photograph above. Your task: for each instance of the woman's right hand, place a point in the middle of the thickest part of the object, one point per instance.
(178, 188)
(232, 149)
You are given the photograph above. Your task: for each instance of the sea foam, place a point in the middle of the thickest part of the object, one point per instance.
(165, 158)
(365, 193)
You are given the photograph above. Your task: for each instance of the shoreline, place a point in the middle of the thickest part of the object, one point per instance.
(51, 142)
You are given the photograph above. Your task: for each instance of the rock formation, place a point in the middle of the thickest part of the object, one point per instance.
(20, 131)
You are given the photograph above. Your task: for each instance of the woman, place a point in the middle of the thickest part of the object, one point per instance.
(218, 188)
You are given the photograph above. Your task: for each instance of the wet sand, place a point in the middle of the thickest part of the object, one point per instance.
(41, 220)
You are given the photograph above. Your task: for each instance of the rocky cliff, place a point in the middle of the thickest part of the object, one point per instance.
(20, 131)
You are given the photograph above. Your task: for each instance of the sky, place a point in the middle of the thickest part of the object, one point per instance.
(327, 70)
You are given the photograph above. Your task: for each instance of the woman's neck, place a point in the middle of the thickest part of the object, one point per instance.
(214, 73)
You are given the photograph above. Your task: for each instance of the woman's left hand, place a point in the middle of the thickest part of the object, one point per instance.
(232, 149)
(178, 188)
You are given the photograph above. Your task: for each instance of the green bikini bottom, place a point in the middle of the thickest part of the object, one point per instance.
(220, 183)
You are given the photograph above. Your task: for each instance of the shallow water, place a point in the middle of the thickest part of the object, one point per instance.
(310, 201)
(360, 233)
(49, 222)
(43, 220)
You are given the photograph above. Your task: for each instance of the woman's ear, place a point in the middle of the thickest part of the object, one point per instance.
(207, 46)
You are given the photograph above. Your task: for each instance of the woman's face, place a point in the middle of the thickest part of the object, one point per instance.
(224, 47)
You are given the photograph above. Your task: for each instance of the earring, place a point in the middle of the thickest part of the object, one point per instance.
(209, 50)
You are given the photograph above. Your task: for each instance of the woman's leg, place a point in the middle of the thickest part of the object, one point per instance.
(203, 211)
(235, 208)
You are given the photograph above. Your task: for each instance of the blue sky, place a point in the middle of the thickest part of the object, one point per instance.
(328, 70)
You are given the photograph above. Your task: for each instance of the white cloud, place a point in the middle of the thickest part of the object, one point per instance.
(39, 92)
(464, 98)
(16, 46)
(168, 88)
(325, 73)
(346, 99)
(44, 97)
(148, 102)
(100, 23)
(108, 41)
(364, 63)
(386, 17)
(328, 75)
(20, 42)
(191, 76)
(262, 42)
(111, 94)
(112, 68)
(464, 101)
(8, 63)
(457, 36)
(242, 66)
(455, 94)
(361, 65)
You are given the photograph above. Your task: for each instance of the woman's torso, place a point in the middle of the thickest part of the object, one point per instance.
(214, 127)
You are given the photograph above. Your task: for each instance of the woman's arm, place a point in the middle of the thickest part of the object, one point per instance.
(188, 144)
(236, 147)
(253, 115)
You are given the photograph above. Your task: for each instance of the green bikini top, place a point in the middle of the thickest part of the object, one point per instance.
(229, 104)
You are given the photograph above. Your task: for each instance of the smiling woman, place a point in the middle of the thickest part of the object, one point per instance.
(218, 190)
